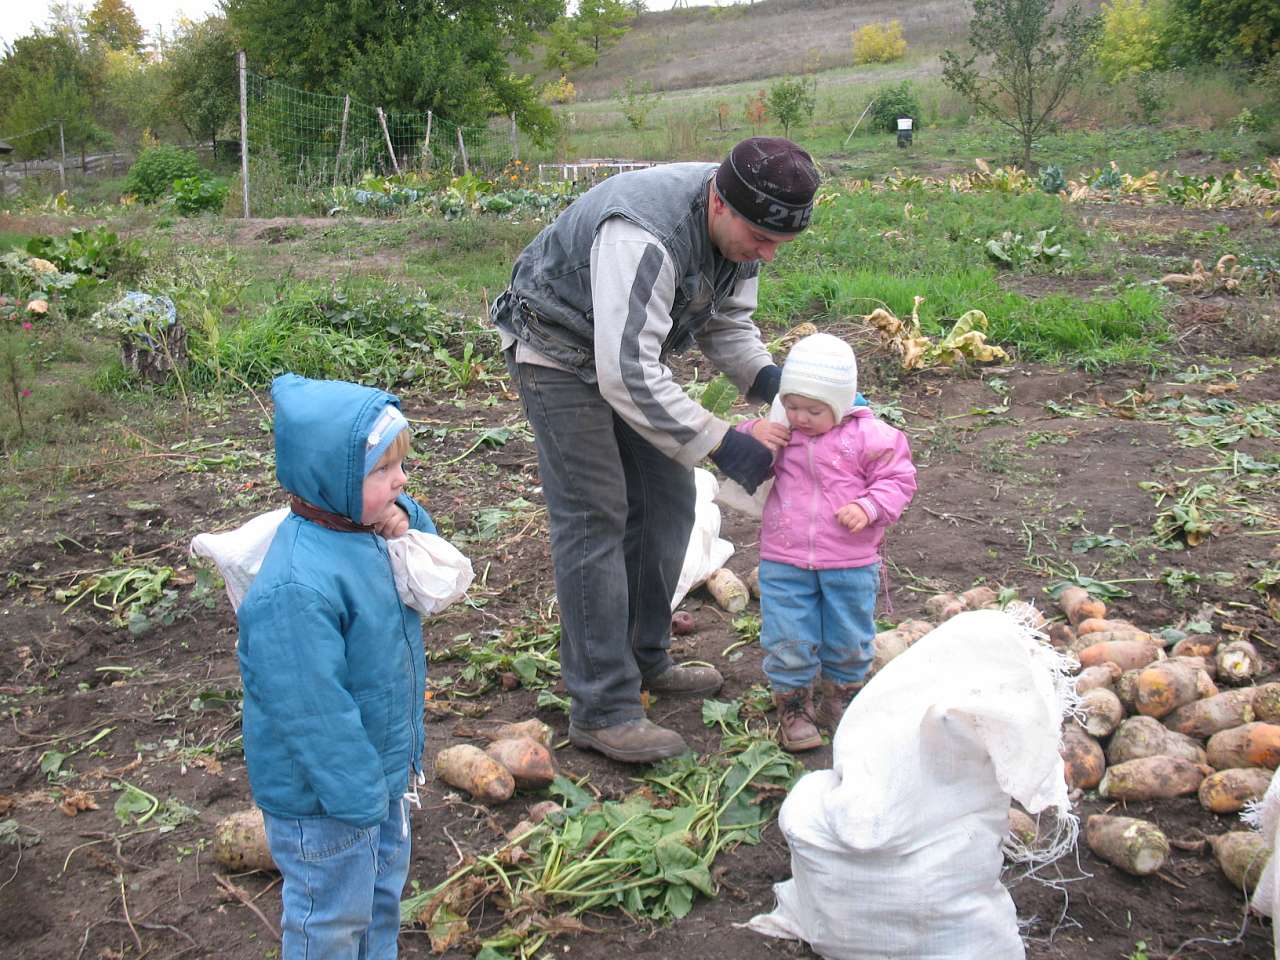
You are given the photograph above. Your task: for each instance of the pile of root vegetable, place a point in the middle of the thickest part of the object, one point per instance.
(1161, 715)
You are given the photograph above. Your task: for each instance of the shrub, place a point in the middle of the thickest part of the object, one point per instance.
(792, 102)
(1132, 41)
(879, 42)
(637, 100)
(893, 102)
(559, 91)
(153, 173)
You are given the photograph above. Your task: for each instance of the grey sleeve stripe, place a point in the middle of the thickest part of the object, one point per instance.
(630, 360)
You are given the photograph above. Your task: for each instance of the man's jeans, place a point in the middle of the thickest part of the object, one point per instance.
(342, 885)
(817, 621)
(621, 513)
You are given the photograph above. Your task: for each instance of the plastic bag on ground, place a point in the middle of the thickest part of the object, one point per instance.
(896, 851)
(430, 573)
(707, 551)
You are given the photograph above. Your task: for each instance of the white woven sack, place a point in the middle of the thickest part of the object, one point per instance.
(430, 573)
(238, 553)
(1264, 816)
(896, 851)
(707, 551)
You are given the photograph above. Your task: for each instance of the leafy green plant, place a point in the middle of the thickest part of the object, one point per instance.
(94, 252)
(154, 172)
(1015, 250)
(119, 590)
(1052, 180)
(196, 195)
(892, 102)
(648, 855)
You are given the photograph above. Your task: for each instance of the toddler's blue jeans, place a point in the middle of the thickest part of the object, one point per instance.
(342, 885)
(817, 621)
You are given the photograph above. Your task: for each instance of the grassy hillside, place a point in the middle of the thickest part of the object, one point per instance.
(701, 46)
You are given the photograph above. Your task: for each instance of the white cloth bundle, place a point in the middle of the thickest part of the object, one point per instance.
(430, 572)
(896, 852)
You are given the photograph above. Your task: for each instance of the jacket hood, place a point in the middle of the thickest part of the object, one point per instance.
(321, 427)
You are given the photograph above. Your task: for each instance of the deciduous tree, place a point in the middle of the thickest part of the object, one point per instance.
(450, 56)
(113, 23)
(1022, 64)
(201, 70)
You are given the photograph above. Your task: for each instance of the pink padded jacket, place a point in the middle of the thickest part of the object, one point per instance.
(861, 460)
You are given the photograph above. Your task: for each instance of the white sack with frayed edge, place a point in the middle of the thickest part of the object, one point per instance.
(430, 573)
(896, 851)
(1264, 816)
(707, 551)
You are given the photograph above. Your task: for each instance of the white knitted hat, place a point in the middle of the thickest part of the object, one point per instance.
(822, 367)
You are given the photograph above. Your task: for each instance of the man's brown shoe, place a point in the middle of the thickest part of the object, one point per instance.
(632, 741)
(835, 699)
(795, 720)
(685, 679)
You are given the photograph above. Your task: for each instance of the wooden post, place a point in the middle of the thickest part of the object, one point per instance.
(62, 157)
(342, 137)
(382, 119)
(515, 139)
(244, 132)
(462, 149)
(426, 141)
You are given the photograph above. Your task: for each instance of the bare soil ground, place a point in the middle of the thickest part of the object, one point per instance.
(1016, 465)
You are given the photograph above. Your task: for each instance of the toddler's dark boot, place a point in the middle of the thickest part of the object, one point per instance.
(835, 699)
(796, 731)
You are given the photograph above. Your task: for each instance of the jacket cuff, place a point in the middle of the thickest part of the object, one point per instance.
(869, 508)
(699, 447)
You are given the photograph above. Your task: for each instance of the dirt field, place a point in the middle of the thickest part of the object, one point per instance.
(1019, 465)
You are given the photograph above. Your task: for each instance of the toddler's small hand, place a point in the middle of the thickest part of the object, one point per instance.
(772, 435)
(394, 523)
(853, 517)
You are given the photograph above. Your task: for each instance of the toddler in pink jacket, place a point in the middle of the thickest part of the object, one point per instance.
(841, 476)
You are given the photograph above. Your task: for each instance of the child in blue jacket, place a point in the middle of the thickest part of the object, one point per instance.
(334, 672)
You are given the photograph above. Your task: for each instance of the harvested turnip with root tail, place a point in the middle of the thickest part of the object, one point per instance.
(683, 624)
(1204, 718)
(1127, 654)
(1135, 846)
(1165, 686)
(1103, 675)
(1152, 778)
(240, 842)
(1242, 855)
(1083, 761)
(1078, 605)
(1139, 737)
(471, 769)
(527, 760)
(1238, 662)
(1248, 745)
(1102, 712)
(944, 606)
(728, 590)
(1227, 791)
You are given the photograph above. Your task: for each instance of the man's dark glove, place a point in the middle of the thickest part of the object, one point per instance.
(743, 458)
(765, 386)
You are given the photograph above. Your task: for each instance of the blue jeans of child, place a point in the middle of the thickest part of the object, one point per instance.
(342, 885)
(817, 621)
(620, 513)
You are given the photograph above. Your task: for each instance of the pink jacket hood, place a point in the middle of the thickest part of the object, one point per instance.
(861, 460)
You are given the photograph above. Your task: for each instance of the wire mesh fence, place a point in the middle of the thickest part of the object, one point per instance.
(339, 138)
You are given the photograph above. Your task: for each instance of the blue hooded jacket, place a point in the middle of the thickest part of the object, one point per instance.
(332, 662)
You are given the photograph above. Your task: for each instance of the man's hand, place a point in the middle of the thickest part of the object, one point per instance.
(765, 386)
(743, 458)
(394, 523)
(772, 435)
(853, 517)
